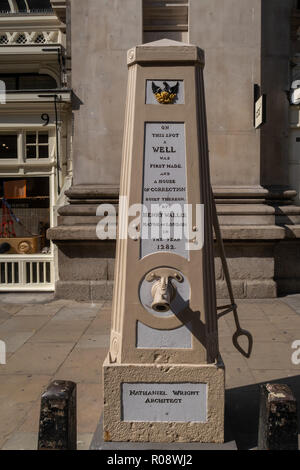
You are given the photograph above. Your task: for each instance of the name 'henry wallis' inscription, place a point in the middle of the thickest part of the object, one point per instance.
(164, 189)
(164, 402)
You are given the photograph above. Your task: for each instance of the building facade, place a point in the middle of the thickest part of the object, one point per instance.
(63, 64)
(35, 140)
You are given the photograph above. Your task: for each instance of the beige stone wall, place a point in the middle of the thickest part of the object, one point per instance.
(102, 32)
(229, 31)
(275, 64)
(246, 42)
(243, 43)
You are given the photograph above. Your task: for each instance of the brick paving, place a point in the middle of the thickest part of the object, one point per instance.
(49, 339)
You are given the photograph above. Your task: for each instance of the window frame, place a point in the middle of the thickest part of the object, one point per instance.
(22, 146)
(14, 8)
(17, 78)
(37, 144)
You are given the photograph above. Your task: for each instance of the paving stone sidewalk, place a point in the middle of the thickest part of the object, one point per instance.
(49, 339)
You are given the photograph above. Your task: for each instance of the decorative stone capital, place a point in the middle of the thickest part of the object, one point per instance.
(165, 51)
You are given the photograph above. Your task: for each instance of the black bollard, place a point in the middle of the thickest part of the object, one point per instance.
(278, 427)
(58, 423)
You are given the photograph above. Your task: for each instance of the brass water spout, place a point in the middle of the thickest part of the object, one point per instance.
(163, 291)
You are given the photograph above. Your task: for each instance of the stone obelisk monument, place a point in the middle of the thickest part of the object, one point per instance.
(163, 376)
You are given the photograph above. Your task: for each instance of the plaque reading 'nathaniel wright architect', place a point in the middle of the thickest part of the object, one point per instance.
(163, 376)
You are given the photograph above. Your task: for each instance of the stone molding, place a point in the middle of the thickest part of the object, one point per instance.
(229, 232)
(84, 191)
(165, 51)
(59, 8)
(92, 191)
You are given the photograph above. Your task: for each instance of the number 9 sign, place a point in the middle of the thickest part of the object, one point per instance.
(45, 117)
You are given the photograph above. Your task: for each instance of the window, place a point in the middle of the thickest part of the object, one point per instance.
(39, 5)
(36, 188)
(4, 6)
(29, 200)
(21, 5)
(36, 82)
(37, 145)
(27, 146)
(29, 81)
(25, 6)
(165, 19)
(10, 82)
(8, 146)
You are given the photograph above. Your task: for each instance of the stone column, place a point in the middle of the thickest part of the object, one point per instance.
(101, 33)
(229, 32)
(164, 334)
(246, 44)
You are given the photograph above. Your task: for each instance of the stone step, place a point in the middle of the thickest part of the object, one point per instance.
(229, 232)
(78, 220)
(84, 291)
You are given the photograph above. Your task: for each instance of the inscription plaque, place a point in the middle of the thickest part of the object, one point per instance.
(164, 189)
(164, 402)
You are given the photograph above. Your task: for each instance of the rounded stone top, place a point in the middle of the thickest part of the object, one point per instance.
(165, 50)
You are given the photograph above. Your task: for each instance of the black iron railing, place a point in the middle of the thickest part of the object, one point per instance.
(27, 13)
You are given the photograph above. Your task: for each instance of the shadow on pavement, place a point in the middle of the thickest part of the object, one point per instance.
(242, 411)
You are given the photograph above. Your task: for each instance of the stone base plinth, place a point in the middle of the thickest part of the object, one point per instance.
(99, 444)
(118, 428)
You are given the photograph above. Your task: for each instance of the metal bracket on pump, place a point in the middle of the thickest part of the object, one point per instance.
(231, 307)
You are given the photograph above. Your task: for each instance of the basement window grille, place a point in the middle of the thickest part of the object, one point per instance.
(40, 39)
(3, 39)
(21, 39)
